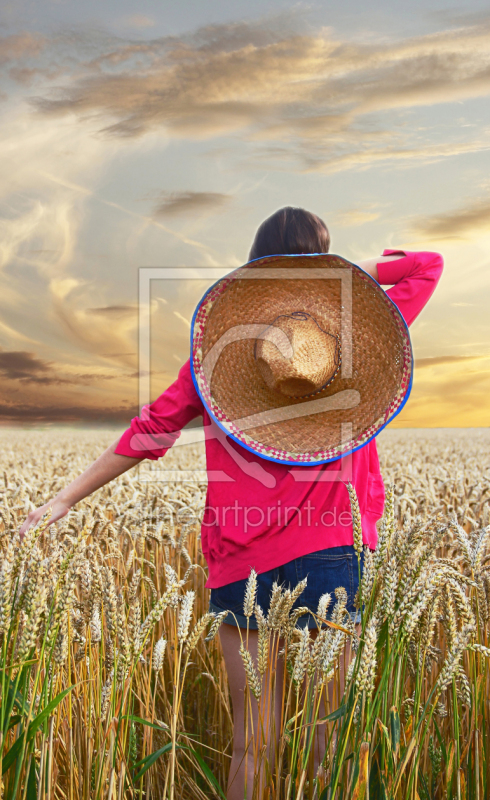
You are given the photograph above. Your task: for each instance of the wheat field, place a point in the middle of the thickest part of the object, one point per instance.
(111, 675)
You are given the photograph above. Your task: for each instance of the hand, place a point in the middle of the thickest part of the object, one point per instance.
(59, 508)
(104, 469)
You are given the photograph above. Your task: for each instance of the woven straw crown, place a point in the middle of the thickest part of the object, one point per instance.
(295, 356)
(301, 359)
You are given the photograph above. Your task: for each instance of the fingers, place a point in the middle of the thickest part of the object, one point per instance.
(57, 509)
(32, 519)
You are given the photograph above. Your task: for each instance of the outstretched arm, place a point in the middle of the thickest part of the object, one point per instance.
(148, 437)
(107, 467)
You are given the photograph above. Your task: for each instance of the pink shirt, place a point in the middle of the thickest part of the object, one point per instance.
(263, 514)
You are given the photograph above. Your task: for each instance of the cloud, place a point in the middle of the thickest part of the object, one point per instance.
(36, 413)
(19, 365)
(24, 75)
(176, 203)
(355, 216)
(51, 293)
(459, 224)
(100, 329)
(22, 45)
(447, 16)
(113, 311)
(11, 334)
(138, 21)
(436, 360)
(72, 233)
(456, 394)
(182, 319)
(363, 158)
(22, 365)
(279, 83)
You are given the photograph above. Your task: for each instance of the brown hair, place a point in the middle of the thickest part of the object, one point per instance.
(290, 231)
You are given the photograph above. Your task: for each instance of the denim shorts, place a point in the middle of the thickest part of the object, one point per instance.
(325, 570)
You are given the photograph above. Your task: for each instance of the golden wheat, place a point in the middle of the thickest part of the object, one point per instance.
(106, 660)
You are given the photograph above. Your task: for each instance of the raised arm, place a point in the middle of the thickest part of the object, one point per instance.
(108, 466)
(371, 264)
(412, 276)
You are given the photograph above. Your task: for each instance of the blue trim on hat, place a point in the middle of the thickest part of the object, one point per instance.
(251, 449)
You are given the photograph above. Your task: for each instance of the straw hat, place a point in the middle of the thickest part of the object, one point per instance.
(301, 359)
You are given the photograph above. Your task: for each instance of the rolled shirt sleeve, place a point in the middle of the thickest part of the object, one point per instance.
(413, 280)
(160, 423)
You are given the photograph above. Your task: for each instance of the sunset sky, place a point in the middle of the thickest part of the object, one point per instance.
(161, 134)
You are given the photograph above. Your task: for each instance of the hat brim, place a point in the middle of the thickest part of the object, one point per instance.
(377, 362)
